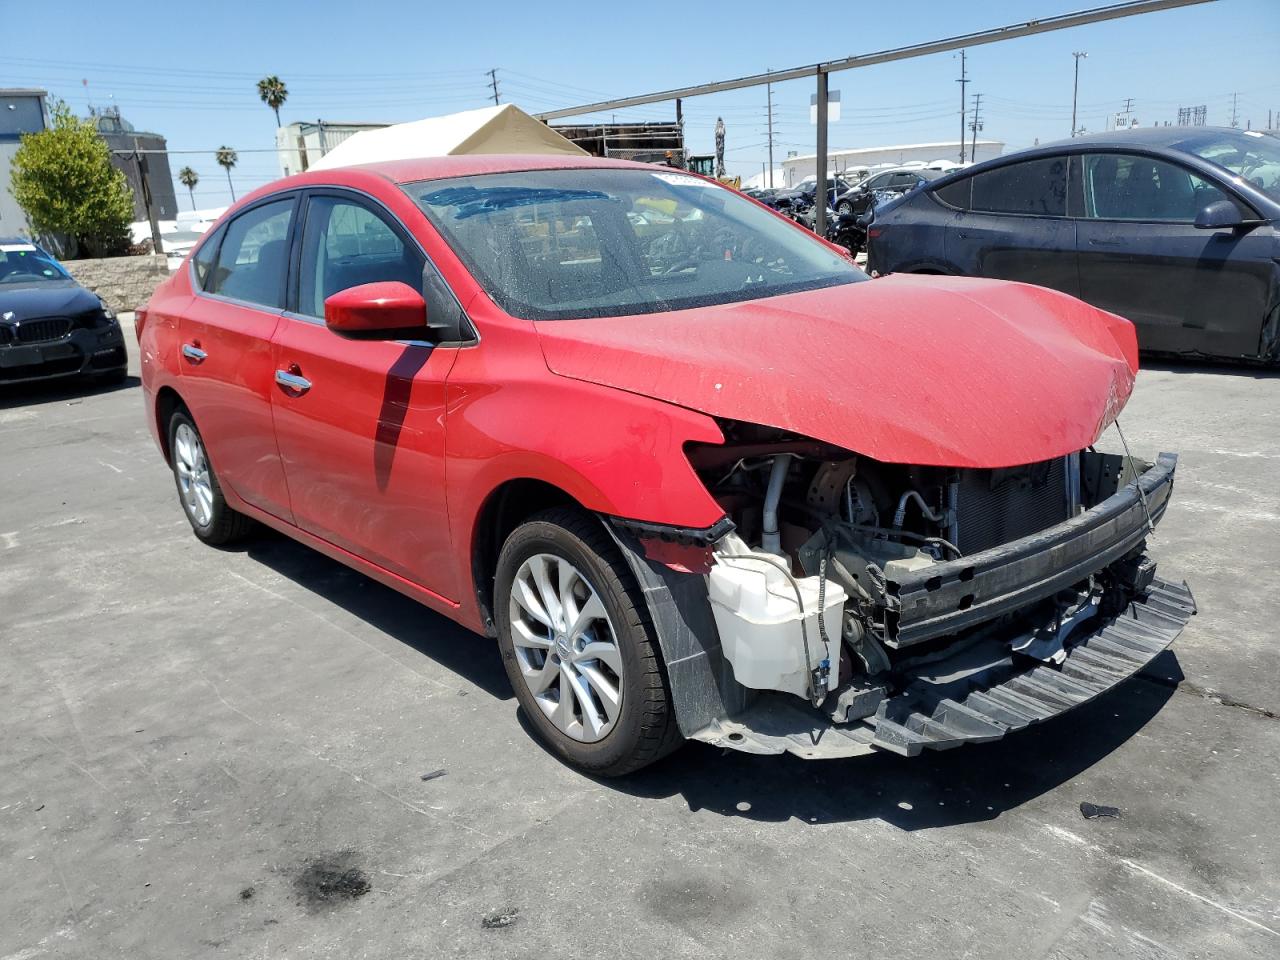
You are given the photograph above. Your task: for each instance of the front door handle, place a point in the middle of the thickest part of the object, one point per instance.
(193, 353)
(292, 381)
(1105, 243)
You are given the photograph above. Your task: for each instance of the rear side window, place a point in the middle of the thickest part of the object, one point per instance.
(253, 254)
(204, 259)
(345, 244)
(1036, 187)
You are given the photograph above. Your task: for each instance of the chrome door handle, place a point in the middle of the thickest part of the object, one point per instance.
(193, 353)
(291, 381)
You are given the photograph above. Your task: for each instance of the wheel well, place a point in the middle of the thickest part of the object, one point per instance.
(167, 401)
(505, 509)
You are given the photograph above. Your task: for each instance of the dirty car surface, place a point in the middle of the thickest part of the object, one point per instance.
(698, 478)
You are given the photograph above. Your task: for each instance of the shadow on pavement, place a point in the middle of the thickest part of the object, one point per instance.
(965, 785)
(1229, 368)
(52, 391)
(476, 659)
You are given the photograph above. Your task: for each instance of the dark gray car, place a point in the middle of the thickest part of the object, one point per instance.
(50, 326)
(1175, 228)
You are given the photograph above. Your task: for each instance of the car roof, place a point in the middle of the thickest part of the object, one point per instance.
(437, 168)
(1143, 136)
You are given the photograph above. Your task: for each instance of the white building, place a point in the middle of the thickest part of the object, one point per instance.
(300, 145)
(797, 169)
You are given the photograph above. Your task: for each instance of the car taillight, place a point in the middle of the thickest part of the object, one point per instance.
(139, 321)
(874, 232)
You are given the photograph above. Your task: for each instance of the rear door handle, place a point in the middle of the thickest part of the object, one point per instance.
(193, 353)
(1105, 243)
(291, 381)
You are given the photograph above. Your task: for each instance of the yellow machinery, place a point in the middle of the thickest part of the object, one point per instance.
(707, 167)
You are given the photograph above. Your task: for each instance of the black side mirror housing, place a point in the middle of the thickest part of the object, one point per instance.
(1219, 215)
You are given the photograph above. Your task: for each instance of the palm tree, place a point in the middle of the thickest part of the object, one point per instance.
(226, 158)
(189, 179)
(273, 93)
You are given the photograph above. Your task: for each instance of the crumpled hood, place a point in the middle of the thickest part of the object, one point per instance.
(45, 298)
(944, 371)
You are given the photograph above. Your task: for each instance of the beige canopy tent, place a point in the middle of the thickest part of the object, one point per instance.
(499, 129)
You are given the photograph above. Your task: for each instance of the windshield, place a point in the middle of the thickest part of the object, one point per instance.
(27, 263)
(562, 244)
(1253, 157)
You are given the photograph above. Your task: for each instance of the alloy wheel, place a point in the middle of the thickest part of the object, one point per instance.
(566, 647)
(195, 485)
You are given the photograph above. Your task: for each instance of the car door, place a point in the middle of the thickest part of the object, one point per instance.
(360, 423)
(1142, 257)
(1011, 223)
(226, 352)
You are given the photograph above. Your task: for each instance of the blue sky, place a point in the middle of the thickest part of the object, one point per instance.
(188, 72)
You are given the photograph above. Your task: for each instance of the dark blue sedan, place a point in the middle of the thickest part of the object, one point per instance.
(1175, 228)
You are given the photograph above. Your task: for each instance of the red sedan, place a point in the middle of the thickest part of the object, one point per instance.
(699, 477)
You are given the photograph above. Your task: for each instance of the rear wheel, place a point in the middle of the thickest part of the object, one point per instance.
(201, 497)
(578, 645)
(845, 208)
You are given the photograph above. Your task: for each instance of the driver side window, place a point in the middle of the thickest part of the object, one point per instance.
(345, 244)
(1121, 186)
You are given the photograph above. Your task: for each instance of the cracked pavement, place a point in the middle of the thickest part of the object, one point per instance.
(221, 753)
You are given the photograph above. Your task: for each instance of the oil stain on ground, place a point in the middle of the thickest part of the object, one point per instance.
(329, 880)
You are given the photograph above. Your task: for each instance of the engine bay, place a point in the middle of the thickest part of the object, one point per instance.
(833, 542)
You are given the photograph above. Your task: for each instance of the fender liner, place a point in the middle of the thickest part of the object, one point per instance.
(701, 681)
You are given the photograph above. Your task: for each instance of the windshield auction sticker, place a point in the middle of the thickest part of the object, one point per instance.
(683, 180)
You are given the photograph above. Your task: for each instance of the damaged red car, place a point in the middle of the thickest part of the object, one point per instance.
(697, 475)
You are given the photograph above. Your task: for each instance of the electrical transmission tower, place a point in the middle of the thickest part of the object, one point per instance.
(1235, 113)
(493, 82)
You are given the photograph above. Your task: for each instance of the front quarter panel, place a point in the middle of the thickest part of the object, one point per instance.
(510, 418)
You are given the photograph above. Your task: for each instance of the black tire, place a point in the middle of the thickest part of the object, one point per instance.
(645, 730)
(225, 525)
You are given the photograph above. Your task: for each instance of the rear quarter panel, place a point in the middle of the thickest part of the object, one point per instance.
(912, 237)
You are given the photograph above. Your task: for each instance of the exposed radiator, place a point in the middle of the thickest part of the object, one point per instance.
(996, 506)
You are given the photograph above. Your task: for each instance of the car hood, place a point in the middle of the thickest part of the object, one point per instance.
(44, 298)
(940, 371)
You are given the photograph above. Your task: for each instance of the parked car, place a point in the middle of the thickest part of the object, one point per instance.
(859, 199)
(50, 326)
(800, 198)
(697, 475)
(1175, 228)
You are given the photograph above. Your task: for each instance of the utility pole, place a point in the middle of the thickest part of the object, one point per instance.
(493, 81)
(768, 87)
(963, 81)
(140, 164)
(1128, 109)
(1235, 117)
(975, 125)
(1075, 88)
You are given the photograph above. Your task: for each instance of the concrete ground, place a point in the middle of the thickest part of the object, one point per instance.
(210, 753)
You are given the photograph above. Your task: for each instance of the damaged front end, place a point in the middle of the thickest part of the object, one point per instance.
(857, 605)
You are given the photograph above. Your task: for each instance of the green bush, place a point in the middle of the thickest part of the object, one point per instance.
(63, 179)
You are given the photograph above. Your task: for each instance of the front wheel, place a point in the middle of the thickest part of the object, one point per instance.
(579, 647)
(845, 209)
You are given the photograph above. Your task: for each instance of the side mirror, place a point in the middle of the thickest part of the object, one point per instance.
(1219, 215)
(387, 310)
